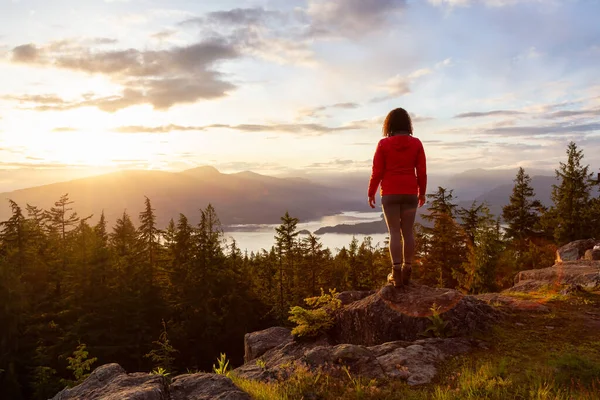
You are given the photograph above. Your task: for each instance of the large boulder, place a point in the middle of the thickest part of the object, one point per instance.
(583, 273)
(575, 250)
(257, 343)
(415, 362)
(205, 387)
(394, 314)
(111, 382)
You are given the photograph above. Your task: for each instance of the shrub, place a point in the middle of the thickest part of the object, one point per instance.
(318, 318)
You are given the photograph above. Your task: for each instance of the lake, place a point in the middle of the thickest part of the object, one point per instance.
(257, 237)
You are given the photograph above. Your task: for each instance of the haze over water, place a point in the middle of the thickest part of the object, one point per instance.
(257, 237)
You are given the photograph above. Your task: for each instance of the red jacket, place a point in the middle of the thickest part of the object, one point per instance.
(399, 165)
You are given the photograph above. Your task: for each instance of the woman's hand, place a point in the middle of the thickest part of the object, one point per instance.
(422, 200)
(372, 201)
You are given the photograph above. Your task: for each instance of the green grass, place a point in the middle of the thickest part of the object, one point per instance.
(533, 355)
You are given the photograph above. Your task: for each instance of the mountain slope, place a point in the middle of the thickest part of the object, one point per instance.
(241, 198)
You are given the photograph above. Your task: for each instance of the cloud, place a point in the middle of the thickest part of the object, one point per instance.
(310, 128)
(162, 35)
(341, 163)
(26, 53)
(573, 113)
(156, 129)
(37, 98)
(315, 111)
(494, 113)
(400, 85)
(350, 18)
(162, 78)
(554, 129)
(64, 129)
(487, 3)
(103, 40)
(272, 35)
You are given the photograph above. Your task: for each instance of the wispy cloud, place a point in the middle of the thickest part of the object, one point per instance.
(304, 128)
(351, 18)
(494, 113)
(65, 129)
(317, 111)
(553, 129)
(488, 3)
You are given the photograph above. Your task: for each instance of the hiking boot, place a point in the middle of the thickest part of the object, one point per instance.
(406, 271)
(395, 277)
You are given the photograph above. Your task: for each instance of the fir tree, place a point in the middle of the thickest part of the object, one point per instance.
(522, 216)
(446, 241)
(571, 198)
(285, 240)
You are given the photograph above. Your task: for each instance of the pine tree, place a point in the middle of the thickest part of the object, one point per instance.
(59, 222)
(446, 241)
(285, 242)
(523, 217)
(148, 235)
(471, 219)
(522, 214)
(478, 273)
(571, 198)
(313, 254)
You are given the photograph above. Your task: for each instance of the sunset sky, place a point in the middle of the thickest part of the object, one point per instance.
(292, 86)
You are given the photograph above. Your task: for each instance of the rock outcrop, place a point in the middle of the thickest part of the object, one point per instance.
(257, 343)
(575, 250)
(415, 362)
(205, 387)
(582, 272)
(111, 382)
(401, 314)
(377, 335)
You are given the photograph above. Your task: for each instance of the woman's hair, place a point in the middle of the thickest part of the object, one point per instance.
(397, 120)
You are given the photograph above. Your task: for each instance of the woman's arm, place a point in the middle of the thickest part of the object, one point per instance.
(378, 168)
(421, 173)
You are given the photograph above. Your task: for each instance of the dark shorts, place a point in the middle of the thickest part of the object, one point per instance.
(403, 201)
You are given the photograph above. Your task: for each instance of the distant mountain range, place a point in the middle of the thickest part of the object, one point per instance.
(239, 198)
(250, 198)
(492, 187)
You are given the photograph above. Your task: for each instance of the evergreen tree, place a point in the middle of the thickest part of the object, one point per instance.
(571, 198)
(314, 255)
(148, 235)
(479, 271)
(285, 240)
(60, 221)
(471, 219)
(446, 241)
(522, 216)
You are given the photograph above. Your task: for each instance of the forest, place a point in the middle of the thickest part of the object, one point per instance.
(74, 296)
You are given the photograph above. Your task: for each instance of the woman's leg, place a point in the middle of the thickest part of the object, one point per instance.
(392, 212)
(407, 221)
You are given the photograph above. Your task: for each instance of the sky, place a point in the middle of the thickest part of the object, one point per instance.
(286, 87)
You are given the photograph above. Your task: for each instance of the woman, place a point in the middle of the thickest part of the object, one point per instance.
(399, 166)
